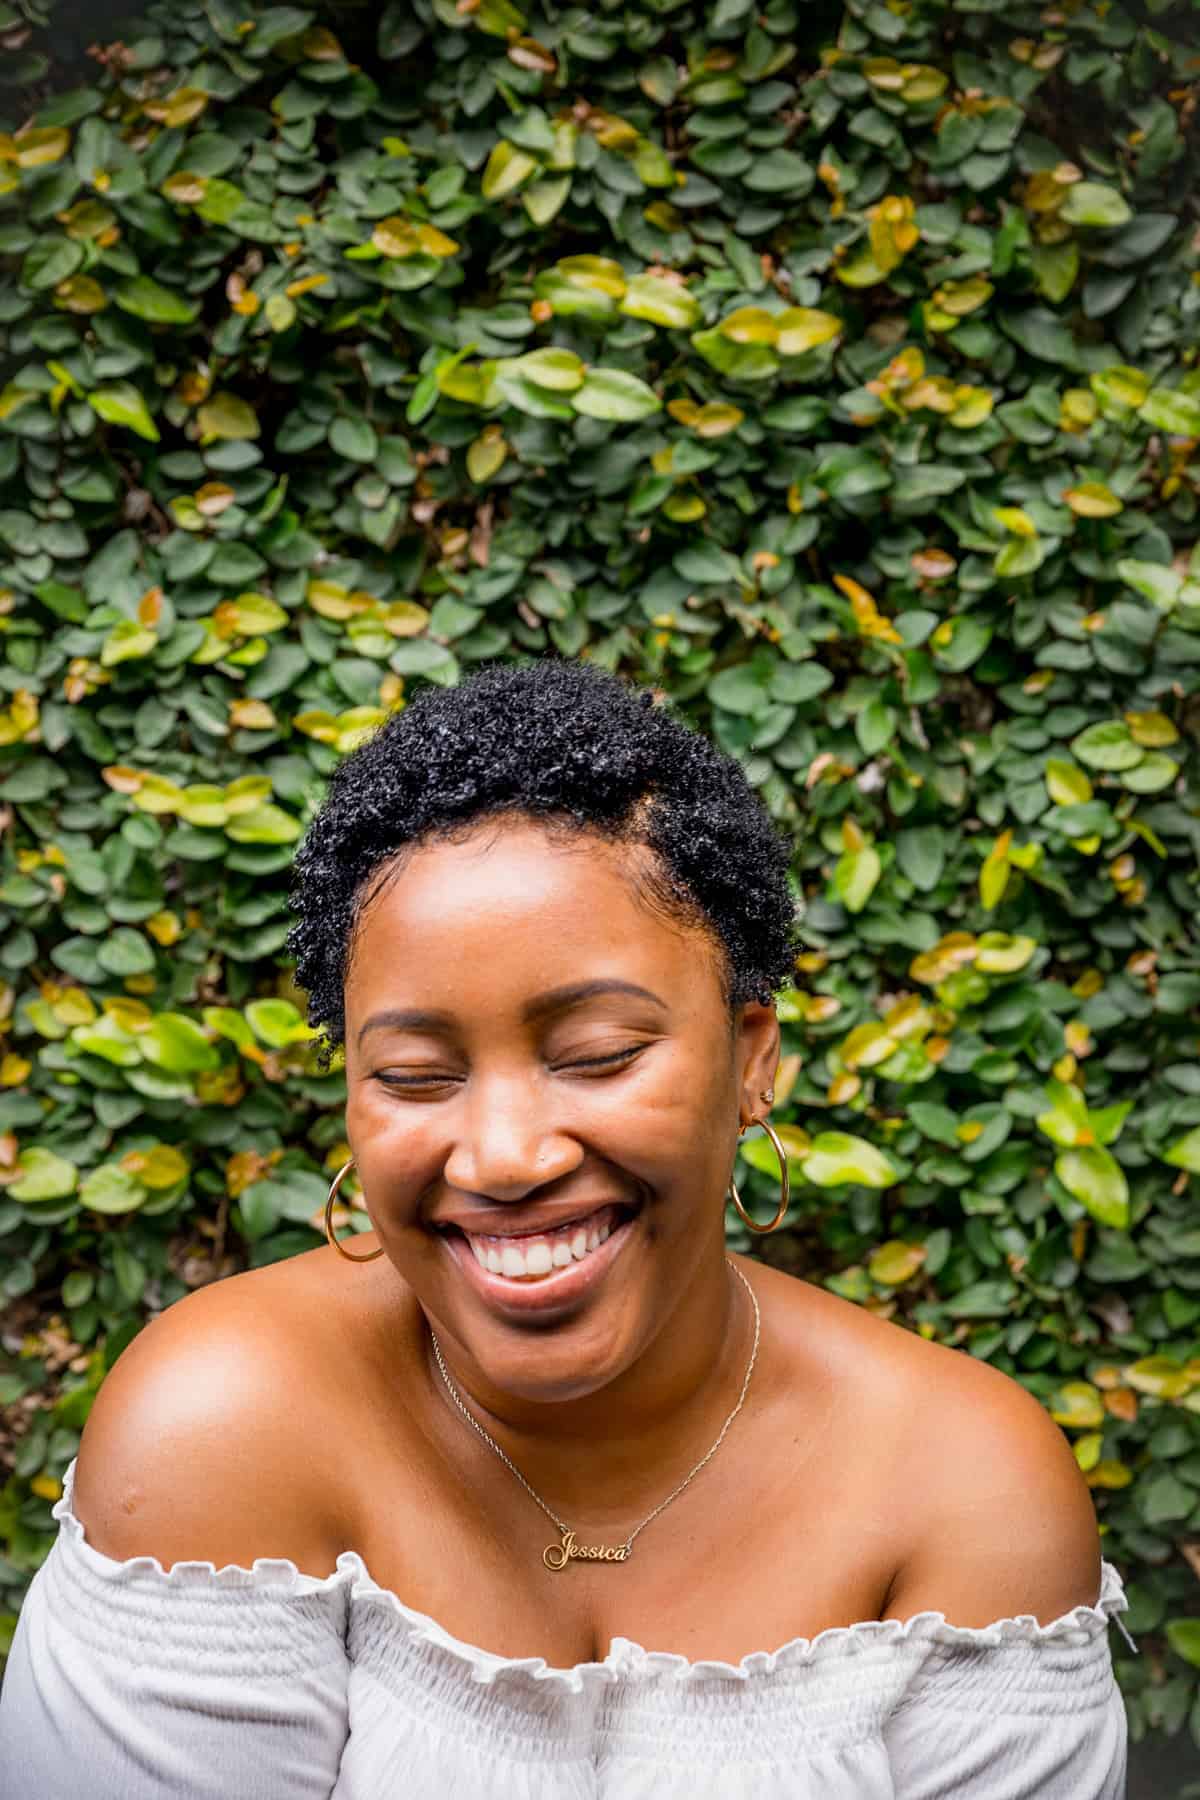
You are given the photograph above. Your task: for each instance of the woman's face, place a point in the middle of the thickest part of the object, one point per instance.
(527, 1044)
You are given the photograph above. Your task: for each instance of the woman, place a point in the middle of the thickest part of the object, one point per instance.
(301, 1551)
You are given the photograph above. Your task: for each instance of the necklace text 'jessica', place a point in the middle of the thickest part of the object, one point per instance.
(557, 1556)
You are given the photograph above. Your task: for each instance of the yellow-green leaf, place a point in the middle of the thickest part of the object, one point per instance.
(1066, 783)
(896, 1262)
(227, 416)
(749, 325)
(997, 953)
(1092, 500)
(837, 1158)
(660, 301)
(802, 328)
(1078, 1405)
(1015, 519)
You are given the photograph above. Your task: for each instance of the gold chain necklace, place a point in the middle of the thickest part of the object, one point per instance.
(557, 1556)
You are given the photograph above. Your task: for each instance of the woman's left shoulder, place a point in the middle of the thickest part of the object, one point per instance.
(994, 1517)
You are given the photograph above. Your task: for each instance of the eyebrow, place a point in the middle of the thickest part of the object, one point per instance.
(556, 1000)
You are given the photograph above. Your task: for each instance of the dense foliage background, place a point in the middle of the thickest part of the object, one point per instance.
(833, 369)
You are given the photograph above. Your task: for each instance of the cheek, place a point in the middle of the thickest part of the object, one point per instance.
(670, 1124)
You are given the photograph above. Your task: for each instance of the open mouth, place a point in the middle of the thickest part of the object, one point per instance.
(533, 1255)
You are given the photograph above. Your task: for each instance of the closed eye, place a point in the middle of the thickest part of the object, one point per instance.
(612, 1060)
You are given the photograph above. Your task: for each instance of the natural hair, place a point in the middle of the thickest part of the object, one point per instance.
(580, 750)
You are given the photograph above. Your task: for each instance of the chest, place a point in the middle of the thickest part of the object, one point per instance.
(784, 1541)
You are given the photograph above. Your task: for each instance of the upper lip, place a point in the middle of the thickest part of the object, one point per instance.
(503, 1224)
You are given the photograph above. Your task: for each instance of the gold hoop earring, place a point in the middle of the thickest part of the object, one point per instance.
(785, 1184)
(337, 1182)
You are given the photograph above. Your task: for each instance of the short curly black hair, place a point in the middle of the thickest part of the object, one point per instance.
(579, 749)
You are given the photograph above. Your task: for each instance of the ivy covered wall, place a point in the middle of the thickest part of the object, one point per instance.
(831, 368)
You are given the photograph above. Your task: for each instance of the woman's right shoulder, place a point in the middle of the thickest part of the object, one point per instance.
(208, 1439)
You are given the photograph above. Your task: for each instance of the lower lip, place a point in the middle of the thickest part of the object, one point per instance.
(559, 1288)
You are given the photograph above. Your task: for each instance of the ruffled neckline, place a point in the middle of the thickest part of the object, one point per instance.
(625, 1656)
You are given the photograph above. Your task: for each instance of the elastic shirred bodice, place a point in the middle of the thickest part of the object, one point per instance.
(265, 1682)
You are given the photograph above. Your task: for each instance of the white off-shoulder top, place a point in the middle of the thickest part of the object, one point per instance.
(130, 1682)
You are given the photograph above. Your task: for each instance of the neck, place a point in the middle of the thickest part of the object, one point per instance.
(602, 1455)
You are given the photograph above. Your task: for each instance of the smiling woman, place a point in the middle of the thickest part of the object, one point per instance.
(300, 1549)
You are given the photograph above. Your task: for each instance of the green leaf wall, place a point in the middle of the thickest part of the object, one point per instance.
(833, 368)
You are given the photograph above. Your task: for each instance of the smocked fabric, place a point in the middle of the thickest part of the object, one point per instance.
(128, 1681)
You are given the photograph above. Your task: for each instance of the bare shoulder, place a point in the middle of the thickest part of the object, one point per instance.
(1004, 1522)
(206, 1440)
(992, 1517)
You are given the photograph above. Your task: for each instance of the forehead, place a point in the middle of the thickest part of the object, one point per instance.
(511, 904)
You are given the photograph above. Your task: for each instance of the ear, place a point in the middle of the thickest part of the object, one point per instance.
(756, 1052)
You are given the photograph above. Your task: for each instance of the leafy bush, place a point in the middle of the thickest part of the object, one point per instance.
(834, 370)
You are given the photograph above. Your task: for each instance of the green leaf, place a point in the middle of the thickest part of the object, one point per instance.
(1164, 1499)
(264, 825)
(1156, 582)
(967, 639)
(1183, 1635)
(740, 689)
(1106, 1121)
(874, 727)
(1055, 267)
(794, 684)
(45, 1176)
(51, 260)
(123, 404)
(780, 172)
(277, 1023)
(1043, 334)
(176, 1043)
(921, 855)
(109, 1189)
(106, 1038)
(230, 1024)
(544, 200)
(1092, 203)
(145, 298)
(1095, 1178)
(1019, 556)
(991, 1298)
(855, 877)
(1107, 746)
(612, 394)
(936, 1122)
(125, 952)
(836, 1158)
(1176, 414)
(354, 439)
(1183, 1154)
(1066, 1121)
(1155, 772)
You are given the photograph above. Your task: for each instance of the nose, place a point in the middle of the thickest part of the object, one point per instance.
(506, 1142)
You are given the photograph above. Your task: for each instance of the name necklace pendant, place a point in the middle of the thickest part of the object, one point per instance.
(558, 1556)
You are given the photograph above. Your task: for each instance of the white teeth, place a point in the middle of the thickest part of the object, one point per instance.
(540, 1256)
(538, 1260)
